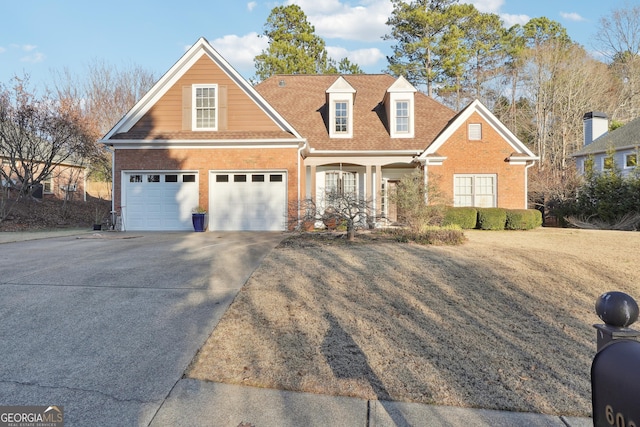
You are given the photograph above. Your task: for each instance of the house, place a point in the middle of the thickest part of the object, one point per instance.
(204, 136)
(65, 181)
(602, 149)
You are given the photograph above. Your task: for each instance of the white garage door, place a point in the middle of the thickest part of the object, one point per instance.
(247, 200)
(159, 200)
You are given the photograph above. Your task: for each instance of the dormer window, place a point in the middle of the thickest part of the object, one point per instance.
(400, 108)
(341, 117)
(205, 107)
(402, 116)
(340, 99)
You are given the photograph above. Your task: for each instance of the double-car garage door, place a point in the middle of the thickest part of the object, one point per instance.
(240, 200)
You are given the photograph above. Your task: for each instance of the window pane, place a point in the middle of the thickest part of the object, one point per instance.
(608, 163)
(239, 178)
(188, 178)
(632, 160)
(341, 117)
(153, 178)
(222, 178)
(205, 107)
(257, 178)
(171, 178)
(135, 178)
(402, 116)
(275, 178)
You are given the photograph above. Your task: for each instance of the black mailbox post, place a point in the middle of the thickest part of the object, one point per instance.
(615, 371)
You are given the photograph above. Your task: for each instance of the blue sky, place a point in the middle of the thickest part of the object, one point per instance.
(40, 37)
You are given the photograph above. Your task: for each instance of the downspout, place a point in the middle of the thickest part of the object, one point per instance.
(526, 184)
(113, 184)
(302, 147)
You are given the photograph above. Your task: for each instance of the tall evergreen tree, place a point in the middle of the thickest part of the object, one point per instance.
(294, 48)
(418, 28)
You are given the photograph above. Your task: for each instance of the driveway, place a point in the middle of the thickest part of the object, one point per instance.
(105, 326)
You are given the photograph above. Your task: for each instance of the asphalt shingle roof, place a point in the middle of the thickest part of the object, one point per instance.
(301, 100)
(627, 136)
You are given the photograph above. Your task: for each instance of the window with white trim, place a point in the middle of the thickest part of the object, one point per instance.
(475, 190)
(475, 131)
(631, 160)
(339, 182)
(341, 117)
(205, 107)
(402, 116)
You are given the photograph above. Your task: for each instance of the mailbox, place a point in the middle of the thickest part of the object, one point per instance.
(615, 371)
(615, 385)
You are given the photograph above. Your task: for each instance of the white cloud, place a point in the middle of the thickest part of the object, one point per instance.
(34, 58)
(3, 49)
(572, 16)
(510, 20)
(29, 47)
(487, 6)
(239, 51)
(335, 19)
(251, 5)
(362, 57)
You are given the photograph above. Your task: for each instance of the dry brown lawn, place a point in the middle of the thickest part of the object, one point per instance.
(501, 322)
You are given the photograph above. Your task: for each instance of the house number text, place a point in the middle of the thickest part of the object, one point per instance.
(617, 419)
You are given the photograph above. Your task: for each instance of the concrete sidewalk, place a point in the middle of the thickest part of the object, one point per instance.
(199, 403)
(22, 236)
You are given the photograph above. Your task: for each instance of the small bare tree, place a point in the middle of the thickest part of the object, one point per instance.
(37, 135)
(348, 208)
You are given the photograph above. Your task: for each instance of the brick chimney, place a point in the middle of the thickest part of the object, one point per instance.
(596, 124)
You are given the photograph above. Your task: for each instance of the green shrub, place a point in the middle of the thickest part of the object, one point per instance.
(465, 217)
(523, 219)
(491, 218)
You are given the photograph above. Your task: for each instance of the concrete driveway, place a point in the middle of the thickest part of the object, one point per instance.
(105, 325)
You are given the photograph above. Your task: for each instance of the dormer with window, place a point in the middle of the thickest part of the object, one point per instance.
(400, 108)
(340, 99)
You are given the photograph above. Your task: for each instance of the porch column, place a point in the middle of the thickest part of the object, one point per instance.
(370, 193)
(378, 190)
(312, 182)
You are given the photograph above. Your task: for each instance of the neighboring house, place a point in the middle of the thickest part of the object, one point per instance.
(204, 136)
(602, 149)
(66, 180)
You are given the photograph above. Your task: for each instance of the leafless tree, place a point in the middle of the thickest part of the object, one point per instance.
(37, 135)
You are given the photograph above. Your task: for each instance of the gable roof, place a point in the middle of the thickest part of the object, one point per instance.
(302, 99)
(195, 52)
(623, 138)
(521, 152)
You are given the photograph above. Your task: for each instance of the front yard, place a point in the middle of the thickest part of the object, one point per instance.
(501, 322)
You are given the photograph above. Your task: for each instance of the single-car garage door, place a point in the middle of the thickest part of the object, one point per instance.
(159, 200)
(248, 200)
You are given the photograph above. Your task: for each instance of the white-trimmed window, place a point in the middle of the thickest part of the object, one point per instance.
(631, 160)
(402, 116)
(340, 182)
(341, 118)
(205, 107)
(475, 190)
(608, 163)
(475, 131)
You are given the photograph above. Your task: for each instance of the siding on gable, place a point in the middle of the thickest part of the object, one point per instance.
(488, 156)
(242, 113)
